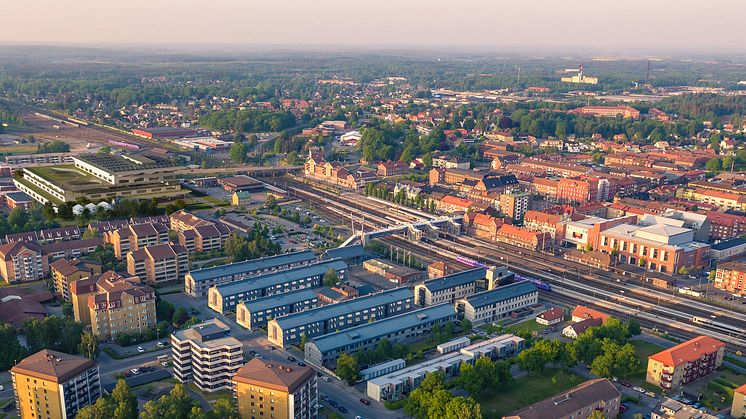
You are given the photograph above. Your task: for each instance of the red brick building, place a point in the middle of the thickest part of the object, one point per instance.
(520, 237)
(731, 276)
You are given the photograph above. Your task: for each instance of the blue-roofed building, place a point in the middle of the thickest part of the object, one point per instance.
(223, 298)
(287, 330)
(449, 288)
(352, 255)
(257, 313)
(728, 249)
(198, 282)
(324, 350)
(497, 304)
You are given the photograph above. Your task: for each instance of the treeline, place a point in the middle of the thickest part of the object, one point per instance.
(55, 146)
(247, 120)
(20, 220)
(256, 244)
(709, 106)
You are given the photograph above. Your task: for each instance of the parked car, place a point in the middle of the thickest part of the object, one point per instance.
(258, 356)
(291, 359)
(301, 364)
(365, 402)
(342, 409)
(325, 378)
(164, 363)
(161, 344)
(625, 384)
(638, 389)
(650, 394)
(140, 349)
(135, 371)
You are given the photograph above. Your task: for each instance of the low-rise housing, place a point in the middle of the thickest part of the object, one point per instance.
(580, 401)
(685, 362)
(257, 313)
(497, 304)
(449, 288)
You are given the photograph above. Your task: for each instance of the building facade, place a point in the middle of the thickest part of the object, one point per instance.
(257, 313)
(159, 264)
(449, 288)
(731, 276)
(206, 355)
(685, 362)
(22, 262)
(277, 390)
(54, 385)
(497, 304)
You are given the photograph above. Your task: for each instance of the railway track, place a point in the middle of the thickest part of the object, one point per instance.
(660, 309)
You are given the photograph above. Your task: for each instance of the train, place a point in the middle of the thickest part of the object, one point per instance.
(471, 262)
(537, 283)
(124, 145)
(717, 325)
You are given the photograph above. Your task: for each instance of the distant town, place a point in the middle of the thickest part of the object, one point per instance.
(394, 237)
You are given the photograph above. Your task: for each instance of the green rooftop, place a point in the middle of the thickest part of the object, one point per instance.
(67, 176)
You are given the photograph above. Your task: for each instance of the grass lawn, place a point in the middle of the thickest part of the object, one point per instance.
(19, 149)
(526, 391)
(216, 201)
(529, 325)
(717, 390)
(211, 397)
(643, 350)
(221, 261)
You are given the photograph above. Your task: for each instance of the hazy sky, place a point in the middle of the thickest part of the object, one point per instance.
(599, 24)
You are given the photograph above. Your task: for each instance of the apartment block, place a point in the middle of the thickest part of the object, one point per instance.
(288, 330)
(497, 304)
(159, 264)
(22, 262)
(449, 288)
(54, 385)
(206, 355)
(65, 272)
(198, 282)
(115, 304)
(685, 362)
(731, 276)
(204, 238)
(276, 390)
(134, 237)
(257, 313)
(224, 298)
(324, 350)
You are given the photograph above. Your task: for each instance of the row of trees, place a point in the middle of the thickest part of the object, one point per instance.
(248, 120)
(420, 202)
(55, 146)
(256, 244)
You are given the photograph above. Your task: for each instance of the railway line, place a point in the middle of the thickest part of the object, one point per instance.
(654, 307)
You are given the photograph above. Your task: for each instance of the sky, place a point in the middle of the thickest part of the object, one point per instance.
(605, 25)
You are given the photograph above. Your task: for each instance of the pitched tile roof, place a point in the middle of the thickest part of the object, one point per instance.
(688, 351)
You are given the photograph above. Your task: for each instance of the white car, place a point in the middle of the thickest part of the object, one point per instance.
(161, 344)
(135, 371)
(638, 389)
(2, 388)
(325, 378)
(140, 349)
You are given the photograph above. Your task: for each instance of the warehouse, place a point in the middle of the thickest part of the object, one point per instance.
(288, 330)
(406, 327)
(223, 298)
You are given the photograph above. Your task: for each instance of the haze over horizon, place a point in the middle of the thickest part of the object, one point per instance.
(466, 24)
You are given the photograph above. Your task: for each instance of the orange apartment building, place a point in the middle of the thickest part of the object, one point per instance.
(114, 304)
(482, 225)
(67, 271)
(731, 276)
(23, 261)
(521, 237)
(608, 111)
(685, 362)
(135, 237)
(159, 264)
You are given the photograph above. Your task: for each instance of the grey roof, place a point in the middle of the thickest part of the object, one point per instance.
(455, 280)
(501, 294)
(345, 252)
(251, 265)
(727, 244)
(382, 327)
(280, 277)
(280, 300)
(345, 307)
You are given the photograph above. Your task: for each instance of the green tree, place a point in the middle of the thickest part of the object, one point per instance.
(466, 325)
(532, 360)
(124, 400)
(633, 327)
(331, 279)
(237, 153)
(67, 309)
(462, 408)
(89, 345)
(180, 316)
(713, 165)
(11, 350)
(348, 368)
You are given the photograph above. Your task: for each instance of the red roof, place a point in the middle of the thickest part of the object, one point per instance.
(589, 313)
(688, 351)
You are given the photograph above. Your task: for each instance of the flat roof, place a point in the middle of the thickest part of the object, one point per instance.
(345, 307)
(727, 244)
(251, 265)
(501, 294)
(280, 277)
(273, 301)
(119, 164)
(382, 327)
(455, 280)
(352, 251)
